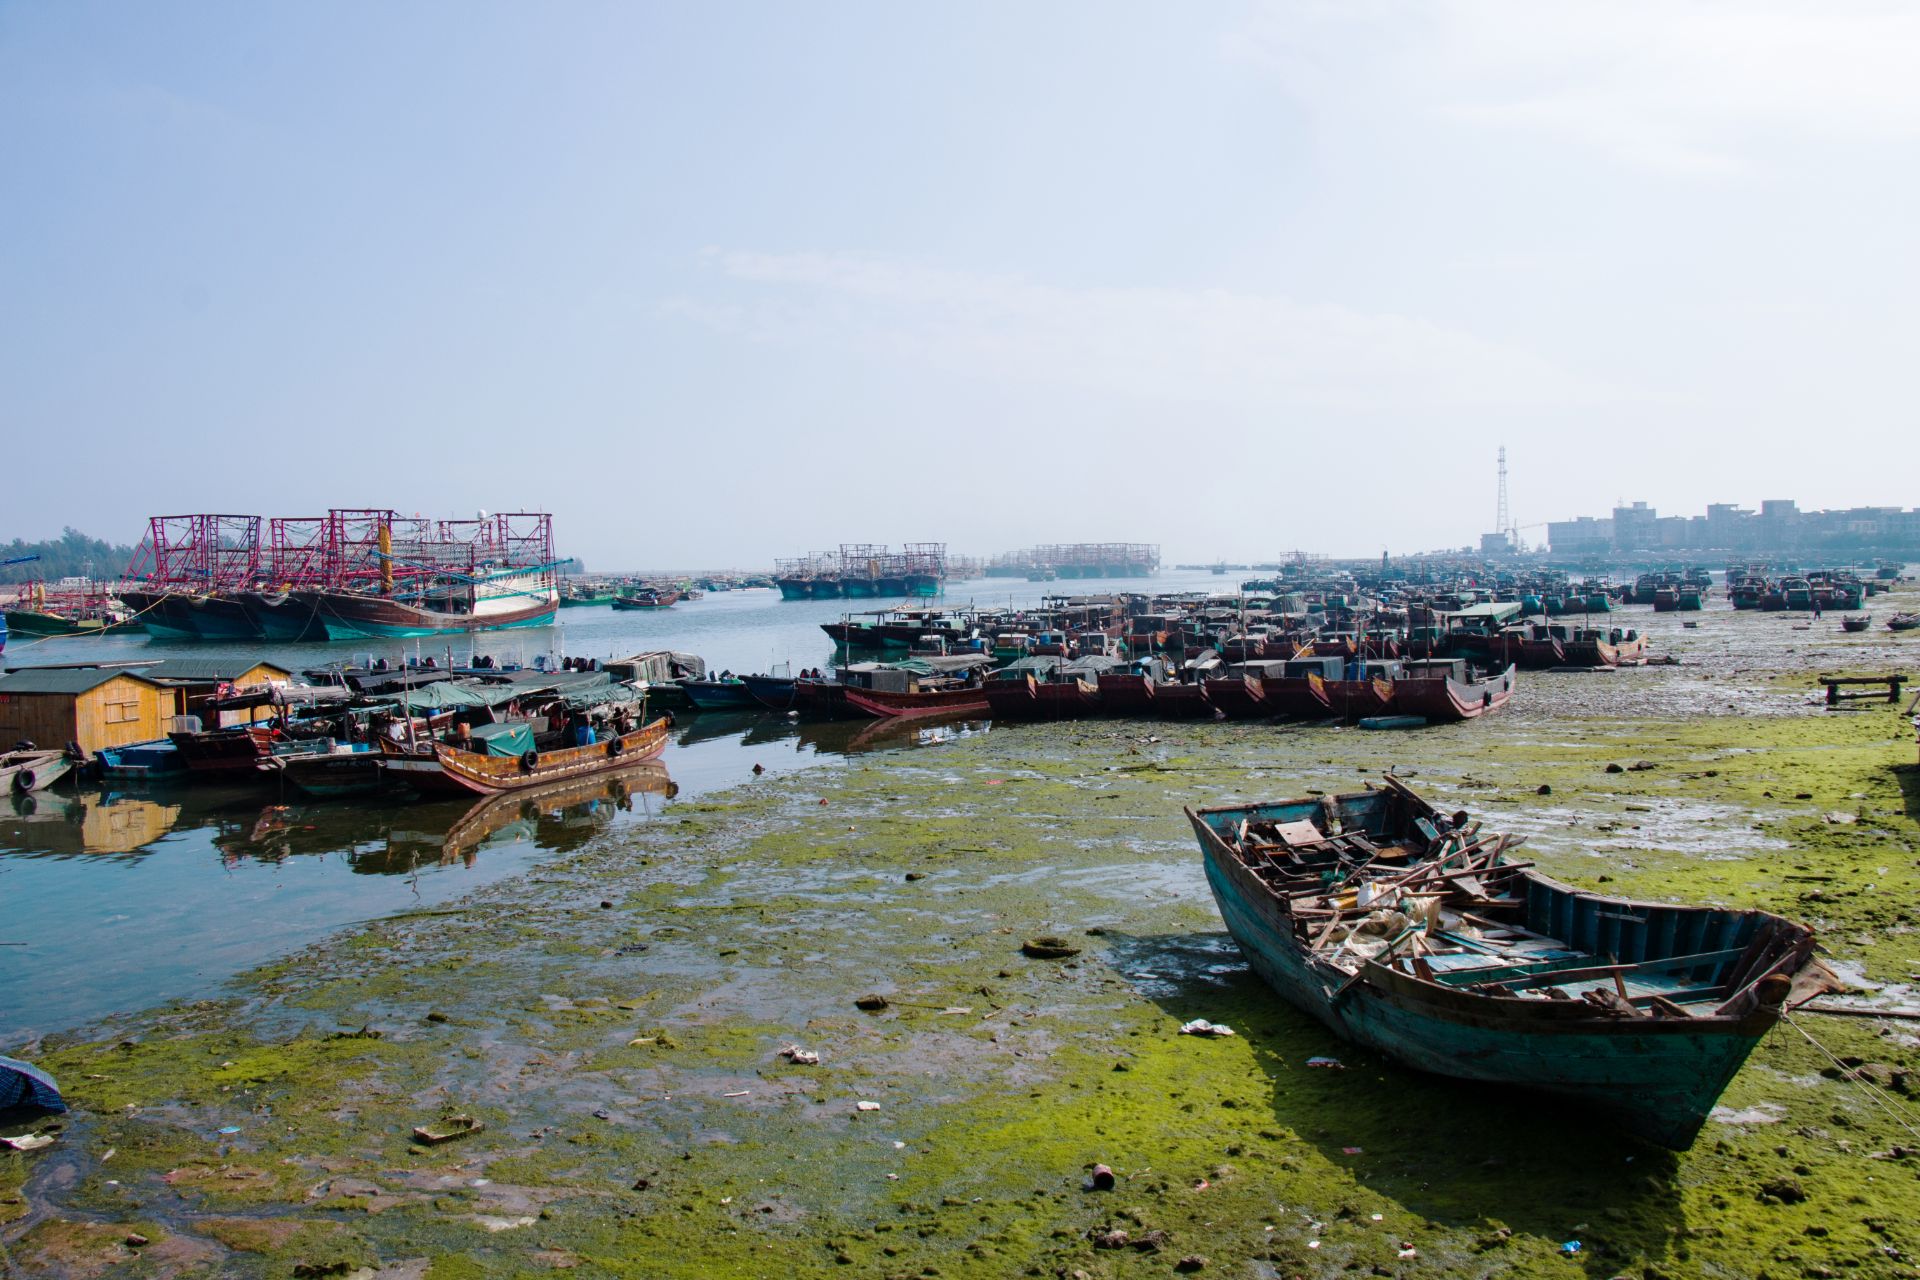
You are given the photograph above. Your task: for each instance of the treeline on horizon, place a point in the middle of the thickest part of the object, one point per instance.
(73, 554)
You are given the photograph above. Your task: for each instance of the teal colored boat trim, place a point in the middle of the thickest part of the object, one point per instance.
(1658, 1074)
(341, 629)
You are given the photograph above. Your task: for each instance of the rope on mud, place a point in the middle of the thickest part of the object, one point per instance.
(1874, 1091)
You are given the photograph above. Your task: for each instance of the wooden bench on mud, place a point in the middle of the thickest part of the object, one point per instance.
(1883, 688)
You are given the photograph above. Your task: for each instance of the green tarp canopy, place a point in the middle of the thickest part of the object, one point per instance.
(445, 695)
(503, 739)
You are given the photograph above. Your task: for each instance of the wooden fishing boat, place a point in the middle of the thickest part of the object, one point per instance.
(1299, 689)
(1446, 690)
(509, 602)
(776, 693)
(1592, 647)
(1420, 937)
(344, 769)
(1239, 692)
(1366, 689)
(452, 770)
(1856, 621)
(32, 770)
(1038, 688)
(1903, 622)
(158, 761)
(647, 600)
(719, 695)
(932, 700)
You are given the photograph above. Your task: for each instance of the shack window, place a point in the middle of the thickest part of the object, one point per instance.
(123, 712)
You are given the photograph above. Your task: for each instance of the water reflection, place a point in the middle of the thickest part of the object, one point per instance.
(48, 824)
(126, 898)
(395, 838)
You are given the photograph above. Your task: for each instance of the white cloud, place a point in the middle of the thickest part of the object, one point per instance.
(1678, 86)
(1213, 345)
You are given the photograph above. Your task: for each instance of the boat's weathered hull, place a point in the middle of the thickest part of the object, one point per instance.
(453, 771)
(351, 616)
(942, 702)
(1125, 693)
(1440, 699)
(283, 618)
(1660, 1077)
(719, 695)
(777, 693)
(1297, 697)
(1239, 697)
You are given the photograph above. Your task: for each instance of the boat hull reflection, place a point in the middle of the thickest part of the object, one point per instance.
(586, 803)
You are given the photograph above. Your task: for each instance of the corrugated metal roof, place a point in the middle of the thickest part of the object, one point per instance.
(69, 680)
(205, 668)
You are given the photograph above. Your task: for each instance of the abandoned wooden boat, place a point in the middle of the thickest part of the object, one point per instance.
(1420, 937)
(1856, 621)
(441, 768)
(1903, 622)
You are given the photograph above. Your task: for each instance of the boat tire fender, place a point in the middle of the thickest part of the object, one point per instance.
(24, 780)
(615, 746)
(529, 761)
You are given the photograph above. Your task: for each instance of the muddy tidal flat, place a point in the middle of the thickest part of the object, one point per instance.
(615, 1020)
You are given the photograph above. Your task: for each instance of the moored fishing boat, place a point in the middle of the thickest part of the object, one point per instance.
(1856, 621)
(1444, 690)
(32, 769)
(1592, 647)
(728, 693)
(1903, 622)
(450, 769)
(646, 599)
(354, 615)
(1418, 936)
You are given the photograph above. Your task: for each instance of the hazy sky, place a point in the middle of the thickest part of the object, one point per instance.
(719, 283)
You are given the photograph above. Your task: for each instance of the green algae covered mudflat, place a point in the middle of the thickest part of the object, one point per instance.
(640, 1118)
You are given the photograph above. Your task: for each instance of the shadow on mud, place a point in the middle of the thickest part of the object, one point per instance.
(1908, 776)
(1475, 1158)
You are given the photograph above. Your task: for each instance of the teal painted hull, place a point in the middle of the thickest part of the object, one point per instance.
(1658, 1077)
(360, 629)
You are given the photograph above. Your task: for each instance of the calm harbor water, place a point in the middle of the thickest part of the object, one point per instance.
(118, 900)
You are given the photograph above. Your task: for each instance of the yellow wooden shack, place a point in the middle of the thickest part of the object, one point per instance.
(95, 707)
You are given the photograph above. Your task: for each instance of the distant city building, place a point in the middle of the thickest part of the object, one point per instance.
(1779, 527)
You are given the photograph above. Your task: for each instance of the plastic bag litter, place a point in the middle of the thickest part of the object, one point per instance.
(1201, 1027)
(800, 1057)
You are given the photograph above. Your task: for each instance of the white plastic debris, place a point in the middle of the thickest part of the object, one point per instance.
(28, 1141)
(1201, 1027)
(800, 1057)
(864, 1105)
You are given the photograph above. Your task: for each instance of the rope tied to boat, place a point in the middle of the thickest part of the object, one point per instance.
(1874, 1091)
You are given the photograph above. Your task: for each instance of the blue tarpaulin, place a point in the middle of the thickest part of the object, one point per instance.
(24, 1085)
